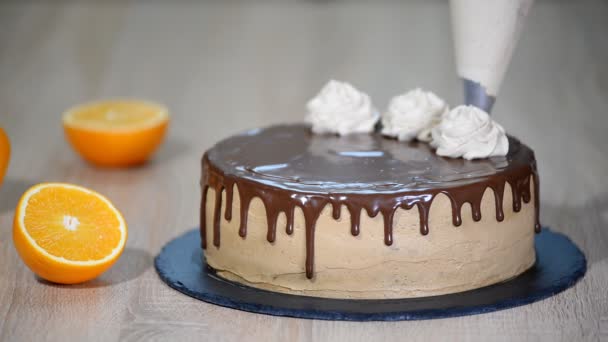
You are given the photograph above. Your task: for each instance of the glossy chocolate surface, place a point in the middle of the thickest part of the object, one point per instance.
(288, 166)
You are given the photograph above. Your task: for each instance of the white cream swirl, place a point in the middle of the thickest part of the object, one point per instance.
(469, 132)
(413, 115)
(342, 109)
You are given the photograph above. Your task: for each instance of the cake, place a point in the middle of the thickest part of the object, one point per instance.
(364, 215)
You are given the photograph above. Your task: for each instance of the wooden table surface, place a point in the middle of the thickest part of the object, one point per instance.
(226, 66)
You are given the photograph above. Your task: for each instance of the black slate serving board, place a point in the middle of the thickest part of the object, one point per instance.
(559, 265)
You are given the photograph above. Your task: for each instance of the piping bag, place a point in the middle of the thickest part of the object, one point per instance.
(485, 34)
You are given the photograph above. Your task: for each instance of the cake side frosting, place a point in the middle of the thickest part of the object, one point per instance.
(449, 259)
(287, 167)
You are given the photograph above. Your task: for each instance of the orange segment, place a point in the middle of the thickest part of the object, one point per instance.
(66, 233)
(116, 132)
(5, 153)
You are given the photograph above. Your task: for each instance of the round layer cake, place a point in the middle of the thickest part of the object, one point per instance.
(364, 216)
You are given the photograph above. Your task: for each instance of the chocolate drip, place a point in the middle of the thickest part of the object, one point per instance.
(203, 215)
(229, 193)
(246, 195)
(498, 190)
(456, 218)
(216, 214)
(255, 164)
(355, 219)
(388, 215)
(289, 217)
(536, 200)
(335, 206)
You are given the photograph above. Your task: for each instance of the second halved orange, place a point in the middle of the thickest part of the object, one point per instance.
(116, 133)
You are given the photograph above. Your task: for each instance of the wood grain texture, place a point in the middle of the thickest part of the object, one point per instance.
(226, 66)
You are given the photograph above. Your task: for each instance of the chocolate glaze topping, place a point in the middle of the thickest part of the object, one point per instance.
(288, 166)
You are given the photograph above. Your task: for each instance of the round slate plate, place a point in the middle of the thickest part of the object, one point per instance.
(559, 265)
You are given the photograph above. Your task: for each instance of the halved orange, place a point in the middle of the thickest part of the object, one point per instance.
(5, 153)
(66, 233)
(116, 133)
